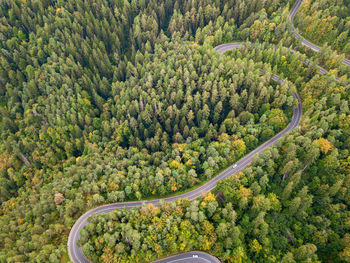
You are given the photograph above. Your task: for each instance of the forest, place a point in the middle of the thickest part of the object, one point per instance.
(107, 101)
(291, 205)
(326, 22)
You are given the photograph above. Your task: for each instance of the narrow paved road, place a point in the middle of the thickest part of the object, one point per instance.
(193, 257)
(74, 250)
(305, 42)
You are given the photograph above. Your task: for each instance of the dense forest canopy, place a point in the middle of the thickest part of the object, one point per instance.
(325, 21)
(108, 101)
(59, 61)
(291, 205)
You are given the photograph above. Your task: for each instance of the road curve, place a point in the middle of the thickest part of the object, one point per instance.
(193, 256)
(74, 251)
(305, 42)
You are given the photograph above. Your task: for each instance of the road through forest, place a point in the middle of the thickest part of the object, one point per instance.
(75, 252)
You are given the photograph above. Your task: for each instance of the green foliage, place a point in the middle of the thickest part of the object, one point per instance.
(107, 101)
(326, 22)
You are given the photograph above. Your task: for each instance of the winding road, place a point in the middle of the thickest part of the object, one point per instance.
(305, 42)
(75, 252)
(193, 257)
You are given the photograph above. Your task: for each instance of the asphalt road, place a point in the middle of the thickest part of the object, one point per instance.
(193, 257)
(74, 250)
(305, 42)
